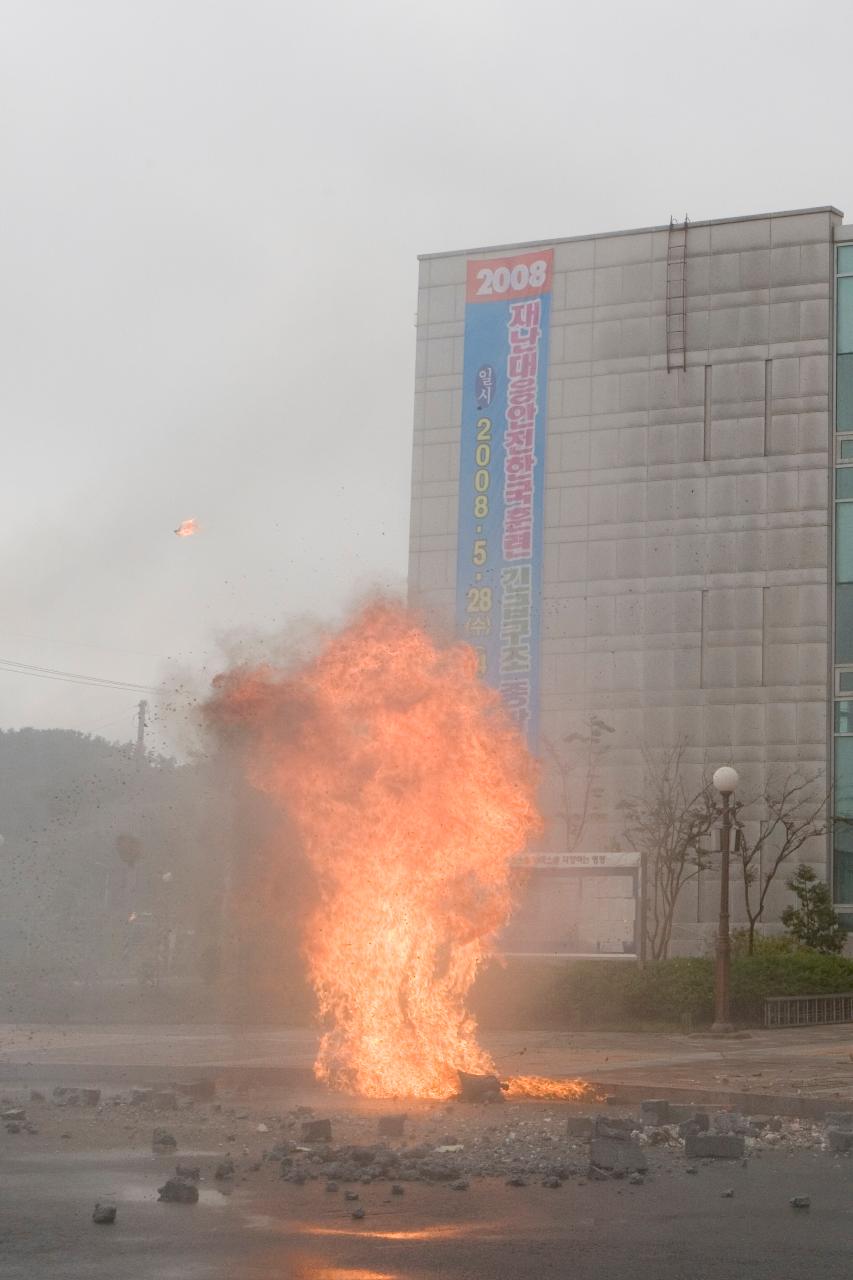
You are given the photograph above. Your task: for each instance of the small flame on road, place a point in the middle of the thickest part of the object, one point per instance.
(187, 528)
(553, 1090)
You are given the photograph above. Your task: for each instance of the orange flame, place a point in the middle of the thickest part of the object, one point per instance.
(555, 1090)
(412, 790)
(187, 528)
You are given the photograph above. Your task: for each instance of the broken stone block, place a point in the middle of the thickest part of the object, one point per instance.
(397, 1190)
(800, 1202)
(141, 1097)
(13, 1113)
(36, 1095)
(617, 1156)
(839, 1120)
(617, 1127)
(224, 1170)
(728, 1194)
(176, 1191)
(551, 1183)
(316, 1131)
(714, 1146)
(461, 1184)
(474, 1088)
(579, 1126)
(191, 1172)
(840, 1139)
(699, 1122)
(636, 1179)
(392, 1126)
(90, 1097)
(163, 1140)
(358, 1213)
(104, 1212)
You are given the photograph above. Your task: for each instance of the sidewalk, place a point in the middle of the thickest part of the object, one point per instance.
(760, 1067)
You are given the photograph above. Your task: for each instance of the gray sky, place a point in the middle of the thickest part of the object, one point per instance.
(211, 216)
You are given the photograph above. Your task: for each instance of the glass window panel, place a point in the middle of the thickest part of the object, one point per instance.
(845, 259)
(845, 681)
(844, 331)
(844, 627)
(844, 392)
(844, 778)
(844, 716)
(844, 482)
(843, 862)
(844, 542)
(847, 449)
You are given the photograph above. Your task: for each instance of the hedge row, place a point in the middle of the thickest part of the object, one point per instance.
(622, 995)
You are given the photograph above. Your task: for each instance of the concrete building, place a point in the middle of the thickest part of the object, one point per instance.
(691, 567)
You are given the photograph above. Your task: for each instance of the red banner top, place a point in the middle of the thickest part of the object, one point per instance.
(526, 275)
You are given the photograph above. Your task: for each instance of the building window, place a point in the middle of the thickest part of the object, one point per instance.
(844, 341)
(842, 875)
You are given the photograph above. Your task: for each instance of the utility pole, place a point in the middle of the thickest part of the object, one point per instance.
(139, 753)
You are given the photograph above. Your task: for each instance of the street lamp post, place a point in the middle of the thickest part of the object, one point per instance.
(725, 781)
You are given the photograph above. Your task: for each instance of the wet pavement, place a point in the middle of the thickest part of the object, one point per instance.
(674, 1226)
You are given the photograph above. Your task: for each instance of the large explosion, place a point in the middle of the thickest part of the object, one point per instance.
(411, 790)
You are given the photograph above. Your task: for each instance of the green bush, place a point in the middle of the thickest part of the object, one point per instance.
(600, 995)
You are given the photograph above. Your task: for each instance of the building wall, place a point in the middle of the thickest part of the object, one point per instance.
(686, 570)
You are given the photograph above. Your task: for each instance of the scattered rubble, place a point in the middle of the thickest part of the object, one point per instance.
(191, 1172)
(162, 1140)
(177, 1191)
(104, 1213)
(801, 1202)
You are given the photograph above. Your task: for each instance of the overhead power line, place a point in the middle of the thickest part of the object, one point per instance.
(72, 677)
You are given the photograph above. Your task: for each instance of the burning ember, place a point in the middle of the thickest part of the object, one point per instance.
(411, 790)
(187, 528)
(554, 1090)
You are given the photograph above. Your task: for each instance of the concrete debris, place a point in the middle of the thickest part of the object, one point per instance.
(474, 1088)
(331, 1186)
(839, 1120)
(177, 1191)
(104, 1212)
(801, 1202)
(728, 1194)
(164, 1100)
(141, 1097)
(317, 1131)
(192, 1172)
(636, 1179)
(224, 1170)
(461, 1184)
(516, 1181)
(358, 1213)
(351, 1195)
(617, 1127)
(36, 1095)
(162, 1139)
(13, 1113)
(655, 1112)
(397, 1190)
(551, 1183)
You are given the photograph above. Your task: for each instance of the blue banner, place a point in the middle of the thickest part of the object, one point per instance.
(502, 474)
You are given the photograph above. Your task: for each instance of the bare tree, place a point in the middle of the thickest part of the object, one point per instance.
(577, 765)
(793, 816)
(666, 823)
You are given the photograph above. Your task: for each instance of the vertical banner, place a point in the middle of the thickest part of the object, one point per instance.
(502, 474)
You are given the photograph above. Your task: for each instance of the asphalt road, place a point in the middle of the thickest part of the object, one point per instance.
(675, 1227)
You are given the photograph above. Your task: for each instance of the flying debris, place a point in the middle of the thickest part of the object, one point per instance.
(187, 528)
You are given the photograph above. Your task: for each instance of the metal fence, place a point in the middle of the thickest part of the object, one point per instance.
(807, 1011)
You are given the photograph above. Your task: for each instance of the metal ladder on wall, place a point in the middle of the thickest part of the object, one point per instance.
(676, 296)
